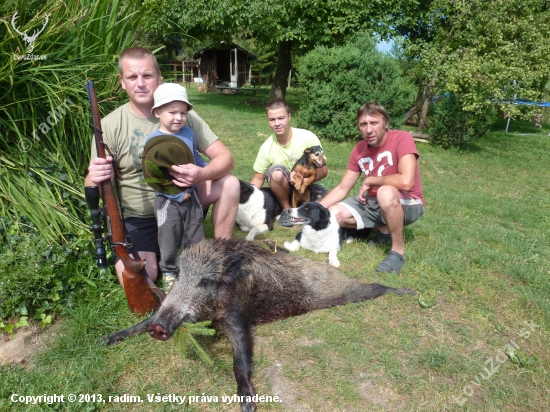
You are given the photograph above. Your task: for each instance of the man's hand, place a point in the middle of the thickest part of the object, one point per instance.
(186, 175)
(100, 170)
(295, 176)
(363, 191)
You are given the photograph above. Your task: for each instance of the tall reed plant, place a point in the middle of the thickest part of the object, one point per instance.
(45, 126)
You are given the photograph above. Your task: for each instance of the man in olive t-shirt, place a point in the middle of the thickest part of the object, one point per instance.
(125, 131)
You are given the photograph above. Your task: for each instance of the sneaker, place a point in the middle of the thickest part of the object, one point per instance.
(284, 219)
(380, 239)
(169, 279)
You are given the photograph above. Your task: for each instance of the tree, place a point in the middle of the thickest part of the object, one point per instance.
(289, 26)
(338, 80)
(481, 51)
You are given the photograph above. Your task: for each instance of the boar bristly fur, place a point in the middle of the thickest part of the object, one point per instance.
(237, 284)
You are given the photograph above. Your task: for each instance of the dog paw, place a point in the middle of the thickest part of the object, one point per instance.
(334, 262)
(333, 259)
(349, 239)
(292, 246)
(244, 228)
(250, 236)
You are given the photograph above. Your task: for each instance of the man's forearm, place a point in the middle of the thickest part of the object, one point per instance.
(397, 180)
(334, 196)
(258, 180)
(320, 173)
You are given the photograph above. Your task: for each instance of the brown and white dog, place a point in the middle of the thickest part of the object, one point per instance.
(312, 158)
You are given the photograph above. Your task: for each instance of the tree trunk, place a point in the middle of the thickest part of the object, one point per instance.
(169, 51)
(284, 64)
(427, 99)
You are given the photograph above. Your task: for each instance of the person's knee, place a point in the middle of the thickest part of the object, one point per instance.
(278, 178)
(231, 182)
(339, 213)
(230, 189)
(387, 196)
(151, 265)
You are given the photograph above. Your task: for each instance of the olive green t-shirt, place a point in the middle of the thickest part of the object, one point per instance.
(124, 133)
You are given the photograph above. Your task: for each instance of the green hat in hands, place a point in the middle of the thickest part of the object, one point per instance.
(159, 154)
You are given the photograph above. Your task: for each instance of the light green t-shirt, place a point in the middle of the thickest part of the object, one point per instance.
(124, 133)
(272, 152)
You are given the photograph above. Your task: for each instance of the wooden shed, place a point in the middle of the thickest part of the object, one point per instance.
(226, 64)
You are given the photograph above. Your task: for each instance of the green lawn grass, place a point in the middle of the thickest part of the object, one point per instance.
(480, 255)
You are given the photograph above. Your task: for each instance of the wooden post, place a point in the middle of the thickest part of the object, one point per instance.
(289, 76)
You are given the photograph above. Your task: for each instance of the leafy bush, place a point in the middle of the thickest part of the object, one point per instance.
(452, 127)
(337, 81)
(41, 277)
(44, 111)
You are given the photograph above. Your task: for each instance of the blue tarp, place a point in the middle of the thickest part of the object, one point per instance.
(532, 103)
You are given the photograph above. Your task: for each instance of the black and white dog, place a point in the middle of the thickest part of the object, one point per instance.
(320, 231)
(257, 211)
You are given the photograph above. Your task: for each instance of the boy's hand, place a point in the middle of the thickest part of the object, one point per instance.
(186, 175)
(100, 169)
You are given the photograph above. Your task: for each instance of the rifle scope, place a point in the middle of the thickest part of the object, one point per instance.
(92, 197)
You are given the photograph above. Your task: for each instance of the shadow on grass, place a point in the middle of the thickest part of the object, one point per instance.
(517, 126)
(245, 102)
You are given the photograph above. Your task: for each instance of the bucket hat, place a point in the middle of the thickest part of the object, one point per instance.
(159, 154)
(170, 92)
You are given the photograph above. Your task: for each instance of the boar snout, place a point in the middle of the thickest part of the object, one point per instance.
(158, 331)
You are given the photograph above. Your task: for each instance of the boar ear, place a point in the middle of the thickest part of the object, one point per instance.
(232, 270)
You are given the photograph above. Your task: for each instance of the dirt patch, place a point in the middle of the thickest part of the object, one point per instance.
(306, 342)
(380, 396)
(21, 348)
(285, 389)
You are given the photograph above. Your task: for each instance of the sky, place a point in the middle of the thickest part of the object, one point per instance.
(385, 46)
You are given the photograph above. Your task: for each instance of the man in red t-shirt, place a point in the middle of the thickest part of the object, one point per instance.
(391, 194)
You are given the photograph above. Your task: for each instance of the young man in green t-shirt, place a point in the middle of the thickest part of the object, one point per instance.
(279, 153)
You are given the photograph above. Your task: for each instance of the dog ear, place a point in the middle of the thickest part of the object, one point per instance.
(324, 215)
(306, 151)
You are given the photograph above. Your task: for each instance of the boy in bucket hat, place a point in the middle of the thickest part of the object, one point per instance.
(178, 210)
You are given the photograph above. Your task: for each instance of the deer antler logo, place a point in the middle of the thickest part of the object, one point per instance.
(29, 39)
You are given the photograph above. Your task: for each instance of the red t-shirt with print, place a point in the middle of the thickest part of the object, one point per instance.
(383, 161)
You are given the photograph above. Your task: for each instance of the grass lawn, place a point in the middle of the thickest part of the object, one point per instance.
(480, 256)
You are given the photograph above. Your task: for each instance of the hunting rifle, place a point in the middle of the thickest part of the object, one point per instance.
(136, 282)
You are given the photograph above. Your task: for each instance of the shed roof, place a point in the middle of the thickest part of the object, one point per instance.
(224, 45)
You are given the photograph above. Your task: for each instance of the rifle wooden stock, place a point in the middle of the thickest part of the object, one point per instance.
(138, 293)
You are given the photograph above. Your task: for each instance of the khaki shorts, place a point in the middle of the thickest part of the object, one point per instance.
(370, 215)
